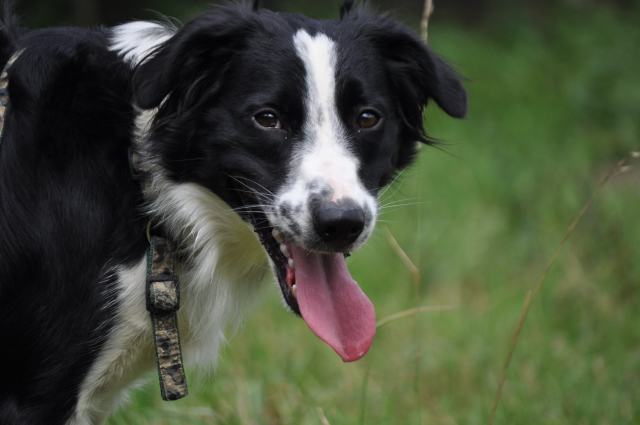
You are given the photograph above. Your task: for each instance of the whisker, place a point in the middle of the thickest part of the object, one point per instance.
(268, 194)
(253, 208)
(267, 190)
(391, 210)
(254, 194)
(394, 206)
(391, 184)
(398, 201)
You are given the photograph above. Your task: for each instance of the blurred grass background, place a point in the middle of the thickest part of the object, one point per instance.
(554, 91)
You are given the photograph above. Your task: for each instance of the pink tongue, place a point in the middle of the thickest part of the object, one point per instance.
(332, 303)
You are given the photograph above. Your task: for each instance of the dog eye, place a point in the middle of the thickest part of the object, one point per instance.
(268, 120)
(368, 119)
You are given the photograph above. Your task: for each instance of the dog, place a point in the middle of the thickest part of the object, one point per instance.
(254, 142)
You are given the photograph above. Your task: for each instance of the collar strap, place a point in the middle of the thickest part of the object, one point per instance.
(163, 302)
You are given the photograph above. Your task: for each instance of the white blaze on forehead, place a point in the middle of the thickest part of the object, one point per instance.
(323, 161)
(325, 155)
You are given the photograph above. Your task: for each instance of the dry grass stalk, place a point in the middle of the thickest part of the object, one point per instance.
(416, 286)
(323, 418)
(426, 14)
(405, 259)
(413, 311)
(428, 10)
(531, 295)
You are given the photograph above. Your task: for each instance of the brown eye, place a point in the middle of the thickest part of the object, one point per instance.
(268, 120)
(368, 119)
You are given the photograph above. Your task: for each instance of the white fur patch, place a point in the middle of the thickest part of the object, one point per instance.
(225, 265)
(127, 352)
(324, 162)
(135, 40)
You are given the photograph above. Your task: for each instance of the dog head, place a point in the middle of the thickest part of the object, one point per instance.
(297, 124)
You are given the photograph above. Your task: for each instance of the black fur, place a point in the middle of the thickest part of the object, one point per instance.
(70, 213)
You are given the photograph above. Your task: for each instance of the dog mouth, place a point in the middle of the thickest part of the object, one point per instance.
(318, 287)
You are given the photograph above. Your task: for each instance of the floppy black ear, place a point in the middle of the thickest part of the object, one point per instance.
(201, 49)
(417, 74)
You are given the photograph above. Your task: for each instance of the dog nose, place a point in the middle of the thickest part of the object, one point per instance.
(338, 225)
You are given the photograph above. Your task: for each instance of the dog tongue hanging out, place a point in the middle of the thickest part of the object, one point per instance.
(333, 305)
(245, 122)
(331, 302)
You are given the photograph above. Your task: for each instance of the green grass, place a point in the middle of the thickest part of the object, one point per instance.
(551, 112)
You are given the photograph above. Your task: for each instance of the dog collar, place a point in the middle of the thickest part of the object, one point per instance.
(162, 294)
(163, 302)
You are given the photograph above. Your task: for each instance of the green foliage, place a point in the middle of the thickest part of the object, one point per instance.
(551, 111)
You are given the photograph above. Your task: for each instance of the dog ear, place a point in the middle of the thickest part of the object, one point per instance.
(200, 50)
(417, 74)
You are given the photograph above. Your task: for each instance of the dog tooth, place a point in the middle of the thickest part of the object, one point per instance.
(292, 264)
(277, 235)
(285, 250)
(293, 289)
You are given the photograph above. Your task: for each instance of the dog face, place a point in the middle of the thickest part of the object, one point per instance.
(297, 124)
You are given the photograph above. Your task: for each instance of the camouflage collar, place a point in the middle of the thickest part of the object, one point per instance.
(163, 302)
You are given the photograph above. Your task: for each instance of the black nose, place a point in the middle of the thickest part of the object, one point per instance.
(338, 225)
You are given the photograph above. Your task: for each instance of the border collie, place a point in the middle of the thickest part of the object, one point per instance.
(263, 139)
